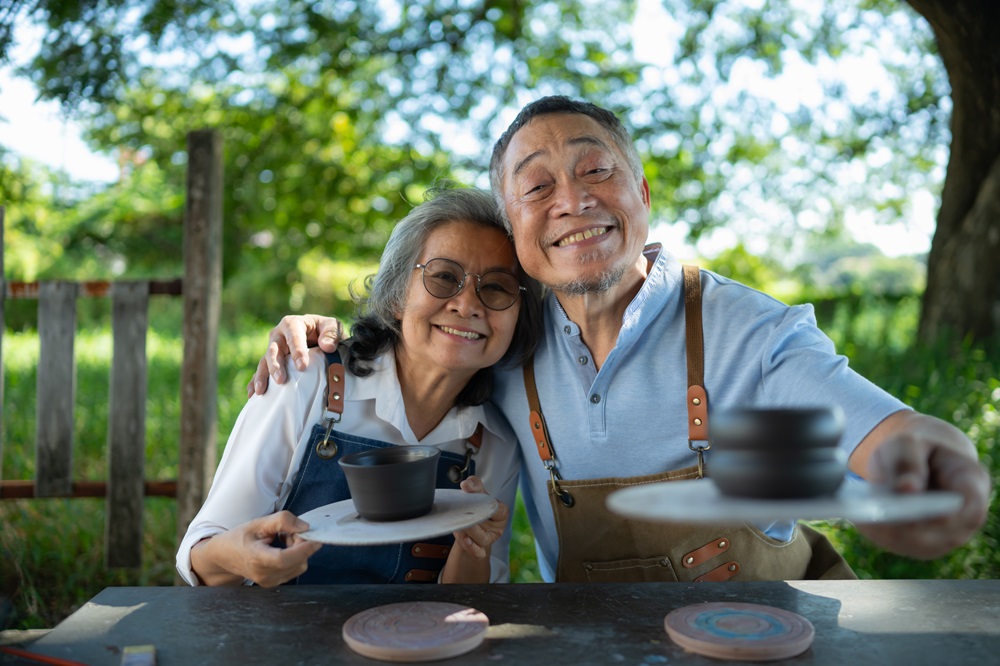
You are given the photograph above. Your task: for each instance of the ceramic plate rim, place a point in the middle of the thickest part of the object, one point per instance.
(700, 500)
(339, 524)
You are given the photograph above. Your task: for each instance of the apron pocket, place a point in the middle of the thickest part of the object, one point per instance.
(636, 570)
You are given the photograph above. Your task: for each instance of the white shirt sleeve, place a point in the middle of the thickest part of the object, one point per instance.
(261, 456)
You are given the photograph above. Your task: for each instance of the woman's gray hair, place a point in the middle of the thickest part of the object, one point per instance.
(560, 104)
(378, 328)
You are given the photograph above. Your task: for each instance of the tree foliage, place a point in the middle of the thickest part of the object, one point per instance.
(337, 114)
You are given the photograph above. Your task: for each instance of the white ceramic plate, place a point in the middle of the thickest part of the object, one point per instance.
(339, 523)
(701, 501)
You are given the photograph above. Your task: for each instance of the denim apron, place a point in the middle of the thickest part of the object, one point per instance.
(320, 481)
(596, 545)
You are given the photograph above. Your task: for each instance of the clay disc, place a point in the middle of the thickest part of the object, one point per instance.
(340, 524)
(416, 631)
(738, 631)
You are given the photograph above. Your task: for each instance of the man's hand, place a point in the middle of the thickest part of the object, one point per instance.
(293, 335)
(918, 453)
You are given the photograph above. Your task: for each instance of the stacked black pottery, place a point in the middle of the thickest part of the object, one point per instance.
(777, 453)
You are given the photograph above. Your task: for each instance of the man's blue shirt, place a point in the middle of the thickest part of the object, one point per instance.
(630, 419)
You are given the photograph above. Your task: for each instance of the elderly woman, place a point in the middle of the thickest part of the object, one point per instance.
(448, 302)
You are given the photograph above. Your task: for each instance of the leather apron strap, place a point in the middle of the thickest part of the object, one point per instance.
(694, 344)
(596, 545)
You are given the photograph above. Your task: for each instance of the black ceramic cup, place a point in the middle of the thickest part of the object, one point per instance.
(777, 453)
(393, 483)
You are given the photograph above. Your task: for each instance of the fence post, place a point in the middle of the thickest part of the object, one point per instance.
(3, 327)
(202, 304)
(56, 389)
(126, 425)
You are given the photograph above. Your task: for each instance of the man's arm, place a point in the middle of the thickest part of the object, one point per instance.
(912, 452)
(293, 335)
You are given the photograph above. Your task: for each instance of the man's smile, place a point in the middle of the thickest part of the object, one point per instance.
(581, 236)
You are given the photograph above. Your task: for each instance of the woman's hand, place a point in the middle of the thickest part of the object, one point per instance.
(476, 540)
(246, 553)
(469, 559)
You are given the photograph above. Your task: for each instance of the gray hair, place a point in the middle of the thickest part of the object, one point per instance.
(559, 104)
(377, 327)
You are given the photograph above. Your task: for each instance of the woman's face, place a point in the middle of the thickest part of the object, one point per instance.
(459, 333)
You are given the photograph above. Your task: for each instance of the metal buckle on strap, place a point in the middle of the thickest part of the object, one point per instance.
(700, 450)
(327, 449)
(564, 495)
(457, 474)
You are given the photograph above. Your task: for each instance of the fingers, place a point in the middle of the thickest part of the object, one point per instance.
(275, 356)
(331, 332)
(291, 338)
(294, 335)
(473, 484)
(269, 566)
(295, 340)
(476, 539)
(274, 566)
(258, 383)
(900, 465)
(929, 539)
(957, 473)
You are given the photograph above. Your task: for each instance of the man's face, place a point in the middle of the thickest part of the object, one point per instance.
(579, 217)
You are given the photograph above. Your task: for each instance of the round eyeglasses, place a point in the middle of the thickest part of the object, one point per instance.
(443, 278)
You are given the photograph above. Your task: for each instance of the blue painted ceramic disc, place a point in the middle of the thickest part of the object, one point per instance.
(748, 632)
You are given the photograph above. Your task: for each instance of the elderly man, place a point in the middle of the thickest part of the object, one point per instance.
(635, 348)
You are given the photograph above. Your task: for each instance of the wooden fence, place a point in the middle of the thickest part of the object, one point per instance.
(201, 288)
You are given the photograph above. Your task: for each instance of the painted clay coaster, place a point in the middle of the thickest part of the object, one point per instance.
(738, 631)
(415, 631)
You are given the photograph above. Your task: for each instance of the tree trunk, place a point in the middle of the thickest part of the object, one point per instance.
(963, 270)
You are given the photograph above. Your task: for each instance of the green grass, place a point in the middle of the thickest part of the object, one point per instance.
(51, 550)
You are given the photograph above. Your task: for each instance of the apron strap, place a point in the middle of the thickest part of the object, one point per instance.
(697, 397)
(538, 428)
(334, 410)
(334, 386)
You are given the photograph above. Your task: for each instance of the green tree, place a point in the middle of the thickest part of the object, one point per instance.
(963, 274)
(333, 108)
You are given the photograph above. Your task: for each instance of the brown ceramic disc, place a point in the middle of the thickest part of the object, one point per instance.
(738, 631)
(415, 631)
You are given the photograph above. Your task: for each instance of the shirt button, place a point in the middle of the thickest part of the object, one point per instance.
(595, 398)
(567, 330)
(582, 360)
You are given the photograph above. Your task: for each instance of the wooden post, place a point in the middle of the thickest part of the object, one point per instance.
(126, 425)
(202, 303)
(56, 389)
(3, 327)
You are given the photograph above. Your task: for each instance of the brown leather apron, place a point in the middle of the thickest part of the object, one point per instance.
(596, 545)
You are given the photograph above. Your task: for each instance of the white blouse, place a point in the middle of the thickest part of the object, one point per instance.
(267, 444)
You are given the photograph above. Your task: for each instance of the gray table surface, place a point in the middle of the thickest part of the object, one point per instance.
(856, 622)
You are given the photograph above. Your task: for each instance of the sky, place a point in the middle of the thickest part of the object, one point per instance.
(39, 131)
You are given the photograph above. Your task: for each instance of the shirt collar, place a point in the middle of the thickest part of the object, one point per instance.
(382, 386)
